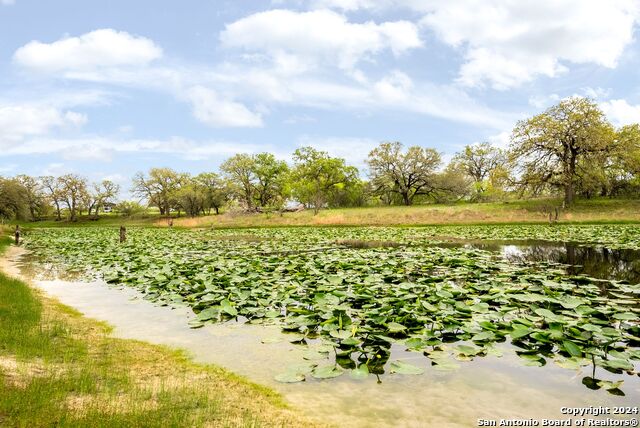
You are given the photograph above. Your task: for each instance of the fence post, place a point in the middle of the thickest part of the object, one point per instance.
(17, 234)
(123, 233)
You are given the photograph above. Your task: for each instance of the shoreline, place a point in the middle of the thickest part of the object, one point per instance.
(154, 373)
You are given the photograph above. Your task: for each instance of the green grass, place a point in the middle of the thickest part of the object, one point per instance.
(512, 212)
(532, 211)
(84, 221)
(58, 368)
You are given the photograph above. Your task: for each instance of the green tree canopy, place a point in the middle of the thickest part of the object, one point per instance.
(317, 178)
(478, 162)
(159, 187)
(258, 180)
(548, 149)
(407, 174)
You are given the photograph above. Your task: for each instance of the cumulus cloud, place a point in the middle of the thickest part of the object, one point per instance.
(90, 51)
(7, 2)
(620, 112)
(505, 43)
(18, 121)
(287, 59)
(211, 109)
(304, 38)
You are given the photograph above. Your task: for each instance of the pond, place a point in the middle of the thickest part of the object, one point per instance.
(592, 261)
(490, 387)
(476, 365)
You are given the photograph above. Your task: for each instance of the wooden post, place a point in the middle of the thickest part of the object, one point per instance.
(170, 222)
(123, 233)
(17, 234)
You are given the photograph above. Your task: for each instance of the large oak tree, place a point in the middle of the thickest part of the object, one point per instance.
(407, 174)
(551, 148)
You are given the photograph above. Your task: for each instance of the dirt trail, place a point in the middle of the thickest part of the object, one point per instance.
(9, 260)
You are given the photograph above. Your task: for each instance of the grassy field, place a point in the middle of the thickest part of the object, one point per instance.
(516, 212)
(532, 211)
(58, 368)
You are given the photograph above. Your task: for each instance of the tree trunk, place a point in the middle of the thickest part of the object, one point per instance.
(569, 189)
(406, 199)
(568, 193)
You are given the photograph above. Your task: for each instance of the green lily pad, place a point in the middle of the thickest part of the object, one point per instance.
(405, 368)
(290, 377)
(327, 372)
(394, 327)
(359, 373)
(573, 349)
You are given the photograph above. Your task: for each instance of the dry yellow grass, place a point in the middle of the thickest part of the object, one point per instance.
(514, 212)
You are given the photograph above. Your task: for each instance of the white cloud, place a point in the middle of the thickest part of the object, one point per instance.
(395, 91)
(501, 140)
(18, 121)
(104, 149)
(295, 62)
(354, 150)
(298, 40)
(596, 93)
(57, 169)
(301, 118)
(620, 112)
(7, 2)
(506, 43)
(211, 109)
(543, 101)
(346, 5)
(90, 51)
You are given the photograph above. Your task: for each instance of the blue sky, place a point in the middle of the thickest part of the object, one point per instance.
(106, 89)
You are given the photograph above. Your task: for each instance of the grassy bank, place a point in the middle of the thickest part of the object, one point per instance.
(58, 368)
(532, 211)
(512, 212)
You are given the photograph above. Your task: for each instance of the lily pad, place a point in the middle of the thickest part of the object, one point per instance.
(327, 372)
(405, 368)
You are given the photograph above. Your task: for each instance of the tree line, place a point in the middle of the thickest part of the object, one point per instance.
(570, 149)
(33, 198)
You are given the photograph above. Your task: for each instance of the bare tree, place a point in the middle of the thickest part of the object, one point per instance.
(100, 194)
(73, 189)
(52, 187)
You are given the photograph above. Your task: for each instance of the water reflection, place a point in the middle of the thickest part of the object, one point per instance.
(595, 262)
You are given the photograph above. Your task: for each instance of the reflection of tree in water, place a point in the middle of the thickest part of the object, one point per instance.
(595, 262)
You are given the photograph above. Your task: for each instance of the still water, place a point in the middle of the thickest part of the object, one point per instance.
(595, 262)
(488, 388)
